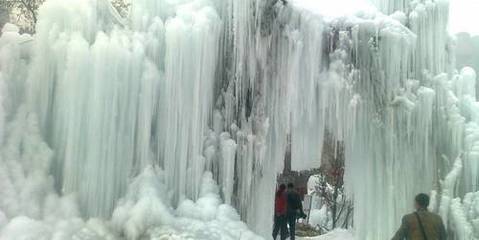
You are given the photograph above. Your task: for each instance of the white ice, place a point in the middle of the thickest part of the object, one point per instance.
(119, 128)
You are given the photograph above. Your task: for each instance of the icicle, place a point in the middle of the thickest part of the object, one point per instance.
(227, 164)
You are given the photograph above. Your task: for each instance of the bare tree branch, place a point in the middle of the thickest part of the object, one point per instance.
(330, 185)
(25, 12)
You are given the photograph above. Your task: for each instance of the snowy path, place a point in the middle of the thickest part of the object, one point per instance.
(335, 235)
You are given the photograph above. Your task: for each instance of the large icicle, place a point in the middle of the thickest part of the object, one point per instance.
(103, 97)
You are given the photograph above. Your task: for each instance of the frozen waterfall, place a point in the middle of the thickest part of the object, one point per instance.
(174, 123)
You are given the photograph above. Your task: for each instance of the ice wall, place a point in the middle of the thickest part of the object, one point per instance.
(400, 131)
(351, 75)
(111, 100)
(269, 98)
(438, 126)
(32, 209)
(112, 97)
(396, 103)
(136, 118)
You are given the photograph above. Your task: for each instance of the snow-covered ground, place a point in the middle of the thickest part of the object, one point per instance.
(334, 235)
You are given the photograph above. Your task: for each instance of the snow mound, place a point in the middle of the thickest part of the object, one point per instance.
(319, 217)
(145, 212)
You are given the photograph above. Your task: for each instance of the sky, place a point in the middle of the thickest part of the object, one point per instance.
(464, 16)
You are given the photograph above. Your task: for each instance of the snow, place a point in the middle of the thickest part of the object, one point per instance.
(144, 211)
(338, 234)
(8, 27)
(319, 217)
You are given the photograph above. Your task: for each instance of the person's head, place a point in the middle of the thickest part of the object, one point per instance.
(422, 201)
(281, 190)
(290, 186)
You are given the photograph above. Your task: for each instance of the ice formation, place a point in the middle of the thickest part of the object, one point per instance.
(175, 122)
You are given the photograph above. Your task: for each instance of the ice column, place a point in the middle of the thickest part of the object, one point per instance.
(270, 92)
(112, 100)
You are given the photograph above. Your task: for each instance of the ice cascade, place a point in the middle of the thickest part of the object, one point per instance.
(176, 121)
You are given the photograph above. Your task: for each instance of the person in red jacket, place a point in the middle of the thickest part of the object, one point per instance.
(280, 210)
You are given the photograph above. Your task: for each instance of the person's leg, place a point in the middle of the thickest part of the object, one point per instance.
(284, 228)
(292, 227)
(276, 227)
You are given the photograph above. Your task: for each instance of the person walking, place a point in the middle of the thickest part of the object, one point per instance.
(422, 224)
(294, 209)
(280, 213)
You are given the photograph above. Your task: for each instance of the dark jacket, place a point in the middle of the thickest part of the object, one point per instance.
(432, 224)
(295, 206)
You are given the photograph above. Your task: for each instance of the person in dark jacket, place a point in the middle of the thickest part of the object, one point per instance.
(280, 213)
(294, 209)
(421, 224)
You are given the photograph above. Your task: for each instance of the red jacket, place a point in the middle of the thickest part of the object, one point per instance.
(280, 202)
